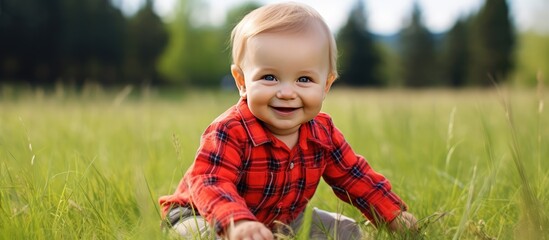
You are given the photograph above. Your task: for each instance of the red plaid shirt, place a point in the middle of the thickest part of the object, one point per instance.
(243, 172)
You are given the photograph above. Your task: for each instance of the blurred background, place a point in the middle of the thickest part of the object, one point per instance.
(185, 43)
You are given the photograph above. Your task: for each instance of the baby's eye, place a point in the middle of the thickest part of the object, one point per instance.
(269, 78)
(304, 79)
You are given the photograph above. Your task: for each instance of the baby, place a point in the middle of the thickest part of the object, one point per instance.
(260, 162)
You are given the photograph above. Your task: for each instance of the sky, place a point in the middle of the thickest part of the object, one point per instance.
(384, 17)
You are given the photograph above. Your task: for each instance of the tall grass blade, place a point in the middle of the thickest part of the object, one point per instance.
(533, 222)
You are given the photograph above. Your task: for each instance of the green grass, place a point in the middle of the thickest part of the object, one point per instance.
(92, 165)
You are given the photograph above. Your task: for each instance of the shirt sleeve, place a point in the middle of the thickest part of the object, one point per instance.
(212, 179)
(355, 182)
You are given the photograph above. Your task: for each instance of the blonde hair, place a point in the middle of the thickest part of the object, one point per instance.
(280, 17)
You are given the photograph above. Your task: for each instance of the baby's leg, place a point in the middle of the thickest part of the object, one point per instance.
(328, 225)
(193, 228)
(189, 225)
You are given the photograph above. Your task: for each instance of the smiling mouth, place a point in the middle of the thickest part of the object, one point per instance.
(285, 109)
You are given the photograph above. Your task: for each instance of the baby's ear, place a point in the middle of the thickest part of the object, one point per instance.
(238, 76)
(329, 82)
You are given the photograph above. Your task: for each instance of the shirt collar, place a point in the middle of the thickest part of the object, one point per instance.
(314, 132)
(317, 133)
(255, 130)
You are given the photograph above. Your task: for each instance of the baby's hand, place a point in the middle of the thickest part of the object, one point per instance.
(404, 222)
(249, 230)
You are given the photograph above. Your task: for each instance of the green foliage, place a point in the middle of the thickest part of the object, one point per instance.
(390, 68)
(360, 60)
(77, 41)
(26, 28)
(493, 43)
(455, 55)
(148, 39)
(91, 40)
(199, 55)
(418, 53)
(92, 165)
(209, 57)
(174, 57)
(236, 14)
(532, 59)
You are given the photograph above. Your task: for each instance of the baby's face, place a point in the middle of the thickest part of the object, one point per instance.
(286, 78)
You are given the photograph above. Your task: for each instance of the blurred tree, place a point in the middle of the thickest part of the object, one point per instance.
(236, 14)
(455, 54)
(44, 41)
(211, 44)
(92, 41)
(492, 43)
(360, 59)
(174, 59)
(417, 53)
(532, 58)
(209, 56)
(390, 68)
(147, 38)
(197, 54)
(28, 35)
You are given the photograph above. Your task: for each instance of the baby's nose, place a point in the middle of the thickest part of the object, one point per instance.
(286, 91)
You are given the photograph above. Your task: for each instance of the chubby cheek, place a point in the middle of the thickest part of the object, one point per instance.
(257, 101)
(258, 96)
(314, 103)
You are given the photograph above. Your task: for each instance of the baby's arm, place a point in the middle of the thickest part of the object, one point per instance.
(249, 230)
(213, 178)
(356, 182)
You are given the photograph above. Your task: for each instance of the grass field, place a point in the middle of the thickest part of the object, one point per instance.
(472, 164)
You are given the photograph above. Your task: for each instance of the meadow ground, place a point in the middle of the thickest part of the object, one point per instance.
(472, 164)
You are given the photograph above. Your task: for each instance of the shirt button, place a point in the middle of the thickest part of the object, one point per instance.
(291, 165)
